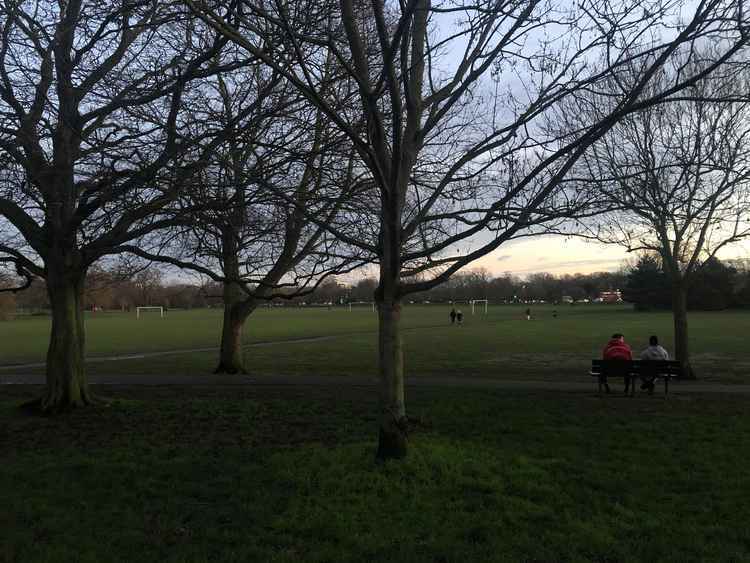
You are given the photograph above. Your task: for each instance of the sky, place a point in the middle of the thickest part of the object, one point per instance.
(561, 255)
(557, 255)
(554, 254)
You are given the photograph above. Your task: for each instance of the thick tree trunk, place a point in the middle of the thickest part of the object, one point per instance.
(231, 359)
(230, 354)
(679, 312)
(392, 440)
(67, 386)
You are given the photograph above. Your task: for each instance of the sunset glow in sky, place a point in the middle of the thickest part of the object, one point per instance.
(559, 255)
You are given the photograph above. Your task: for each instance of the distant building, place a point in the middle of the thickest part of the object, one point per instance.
(612, 296)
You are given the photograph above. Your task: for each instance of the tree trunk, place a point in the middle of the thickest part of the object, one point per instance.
(392, 440)
(231, 357)
(679, 312)
(67, 386)
(235, 314)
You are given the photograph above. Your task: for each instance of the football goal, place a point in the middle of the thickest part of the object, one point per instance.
(475, 302)
(365, 303)
(139, 309)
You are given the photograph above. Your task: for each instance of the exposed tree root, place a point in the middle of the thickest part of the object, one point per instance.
(230, 369)
(47, 405)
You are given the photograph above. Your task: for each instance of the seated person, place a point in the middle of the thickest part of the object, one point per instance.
(617, 349)
(653, 352)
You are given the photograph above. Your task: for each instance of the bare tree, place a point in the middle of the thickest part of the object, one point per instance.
(459, 159)
(258, 209)
(94, 100)
(675, 177)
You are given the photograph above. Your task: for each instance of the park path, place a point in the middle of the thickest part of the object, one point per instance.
(141, 355)
(465, 382)
(179, 351)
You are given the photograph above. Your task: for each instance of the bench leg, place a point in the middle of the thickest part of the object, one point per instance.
(603, 383)
(630, 385)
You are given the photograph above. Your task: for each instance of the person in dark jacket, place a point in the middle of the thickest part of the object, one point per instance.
(617, 349)
(453, 315)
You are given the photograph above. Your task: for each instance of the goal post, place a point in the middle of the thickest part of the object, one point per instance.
(363, 303)
(139, 309)
(475, 302)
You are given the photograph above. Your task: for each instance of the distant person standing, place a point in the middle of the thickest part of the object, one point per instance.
(453, 315)
(460, 317)
(528, 314)
(654, 352)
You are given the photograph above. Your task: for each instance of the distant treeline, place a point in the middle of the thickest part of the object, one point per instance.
(110, 290)
(718, 285)
(508, 288)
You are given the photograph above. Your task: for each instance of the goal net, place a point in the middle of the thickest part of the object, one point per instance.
(478, 303)
(146, 309)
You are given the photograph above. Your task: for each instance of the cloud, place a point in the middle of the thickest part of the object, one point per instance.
(504, 257)
(572, 264)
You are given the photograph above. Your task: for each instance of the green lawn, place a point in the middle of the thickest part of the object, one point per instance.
(271, 474)
(500, 344)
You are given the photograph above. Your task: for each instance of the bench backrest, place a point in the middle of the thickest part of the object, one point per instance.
(636, 367)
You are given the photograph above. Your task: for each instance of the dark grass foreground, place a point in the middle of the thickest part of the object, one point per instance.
(278, 474)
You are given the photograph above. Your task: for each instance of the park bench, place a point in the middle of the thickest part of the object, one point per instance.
(631, 370)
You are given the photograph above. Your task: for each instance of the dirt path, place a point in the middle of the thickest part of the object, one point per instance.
(580, 384)
(262, 343)
(139, 356)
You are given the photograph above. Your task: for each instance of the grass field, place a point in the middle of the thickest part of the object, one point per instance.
(287, 475)
(501, 344)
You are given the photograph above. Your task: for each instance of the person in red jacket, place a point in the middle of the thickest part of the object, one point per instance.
(617, 349)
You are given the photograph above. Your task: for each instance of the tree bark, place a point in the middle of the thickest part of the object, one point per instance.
(392, 440)
(236, 311)
(679, 312)
(67, 385)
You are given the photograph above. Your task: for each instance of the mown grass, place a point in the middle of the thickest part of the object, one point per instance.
(271, 474)
(501, 344)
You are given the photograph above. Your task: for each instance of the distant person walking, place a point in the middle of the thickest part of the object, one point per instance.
(528, 314)
(652, 353)
(460, 317)
(453, 315)
(617, 349)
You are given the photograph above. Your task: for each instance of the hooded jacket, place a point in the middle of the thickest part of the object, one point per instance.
(654, 353)
(616, 349)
